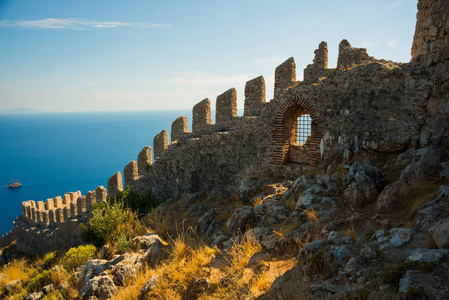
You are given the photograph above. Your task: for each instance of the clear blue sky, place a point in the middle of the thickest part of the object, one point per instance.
(79, 55)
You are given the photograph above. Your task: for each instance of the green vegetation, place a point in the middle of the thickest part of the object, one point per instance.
(78, 256)
(106, 223)
(139, 203)
(38, 282)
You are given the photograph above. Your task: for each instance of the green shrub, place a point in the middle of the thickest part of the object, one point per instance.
(38, 282)
(78, 256)
(124, 243)
(106, 223)
(140, 203)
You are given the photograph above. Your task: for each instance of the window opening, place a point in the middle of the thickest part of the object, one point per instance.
(304, 129)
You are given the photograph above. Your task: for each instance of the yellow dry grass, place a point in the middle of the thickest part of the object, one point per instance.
(18, 269)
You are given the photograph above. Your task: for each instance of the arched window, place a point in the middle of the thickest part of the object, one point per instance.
(303, 129)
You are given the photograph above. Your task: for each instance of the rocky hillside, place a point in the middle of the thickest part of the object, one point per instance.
(377, 226)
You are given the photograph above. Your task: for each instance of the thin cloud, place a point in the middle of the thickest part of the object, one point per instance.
(393, 43)
(396, 4)
(366, 44)
(73, 24)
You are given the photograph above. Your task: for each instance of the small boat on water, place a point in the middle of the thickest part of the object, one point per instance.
(14, 184)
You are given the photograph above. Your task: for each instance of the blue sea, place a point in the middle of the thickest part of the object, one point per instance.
(52, 154)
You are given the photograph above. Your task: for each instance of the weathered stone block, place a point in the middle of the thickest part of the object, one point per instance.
(59, 215)
(201, 117)
(179, 129)
(284, 76)
(160, 143)
(101, 193)
(226, 106)
(67, 213)
(49, 204)
(115, 184)
(91, 198)
(349, 57)
(57, 202)
(40, 205)
(73, 210)
(52, 216)
(81, 205)
(254, 96)
(67, 198)
(144, 160)
(130, 173)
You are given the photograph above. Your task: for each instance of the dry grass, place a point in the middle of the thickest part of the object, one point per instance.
(157, 222)
(412, 197)
(18, 269)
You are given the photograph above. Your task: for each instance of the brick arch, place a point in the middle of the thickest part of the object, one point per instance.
(283, 132)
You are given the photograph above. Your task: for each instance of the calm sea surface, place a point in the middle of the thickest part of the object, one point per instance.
(52, 154)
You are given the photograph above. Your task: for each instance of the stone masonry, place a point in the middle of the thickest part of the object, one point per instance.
(364, 104)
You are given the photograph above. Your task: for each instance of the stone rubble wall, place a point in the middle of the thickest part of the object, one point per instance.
(7, 239)
(58, 210)
(364, 103)
(431, 49)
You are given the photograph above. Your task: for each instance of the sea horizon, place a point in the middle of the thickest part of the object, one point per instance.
(52, 153)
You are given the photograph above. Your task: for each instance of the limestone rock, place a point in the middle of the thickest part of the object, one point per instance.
(427, 164)
(428, 215)
(428, 255)
(390, 196)
(208, 225)
(12, 287)
(242, 219)
(34, 296)
(399, 236)
(146, 241)
(148, 286)
(91, 269)
(364, 183)
(101, 287)
(247, 190)
(444, 175)
(440, 233)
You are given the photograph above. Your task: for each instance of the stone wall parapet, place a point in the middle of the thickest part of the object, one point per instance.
(55, 211)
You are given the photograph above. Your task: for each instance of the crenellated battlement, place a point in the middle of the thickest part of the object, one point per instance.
(362, 104)
(55, 211)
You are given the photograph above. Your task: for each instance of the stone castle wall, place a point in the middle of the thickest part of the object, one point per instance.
(363, 103)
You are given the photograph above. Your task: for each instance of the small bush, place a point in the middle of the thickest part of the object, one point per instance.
(124, 243)
(38, 282)
(105, 223)
(140, 203)
(78, 256)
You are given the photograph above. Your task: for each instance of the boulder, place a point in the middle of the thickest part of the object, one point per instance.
(444, 175)
(363, 183)
(247, 190)
(390, 196)
(101, 287)
(427, 163)
(208, 226)
(12, 287)
(428, 255)
(428, 215)
(242, 219)
(400, 236)
(91, 269)
(148, 286)
(146, 241)
(440, 233)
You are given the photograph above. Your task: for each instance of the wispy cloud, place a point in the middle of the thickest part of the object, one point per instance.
(393, 43)
(396, 4)
(366, 44)
(268, 61)
(73, 24)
